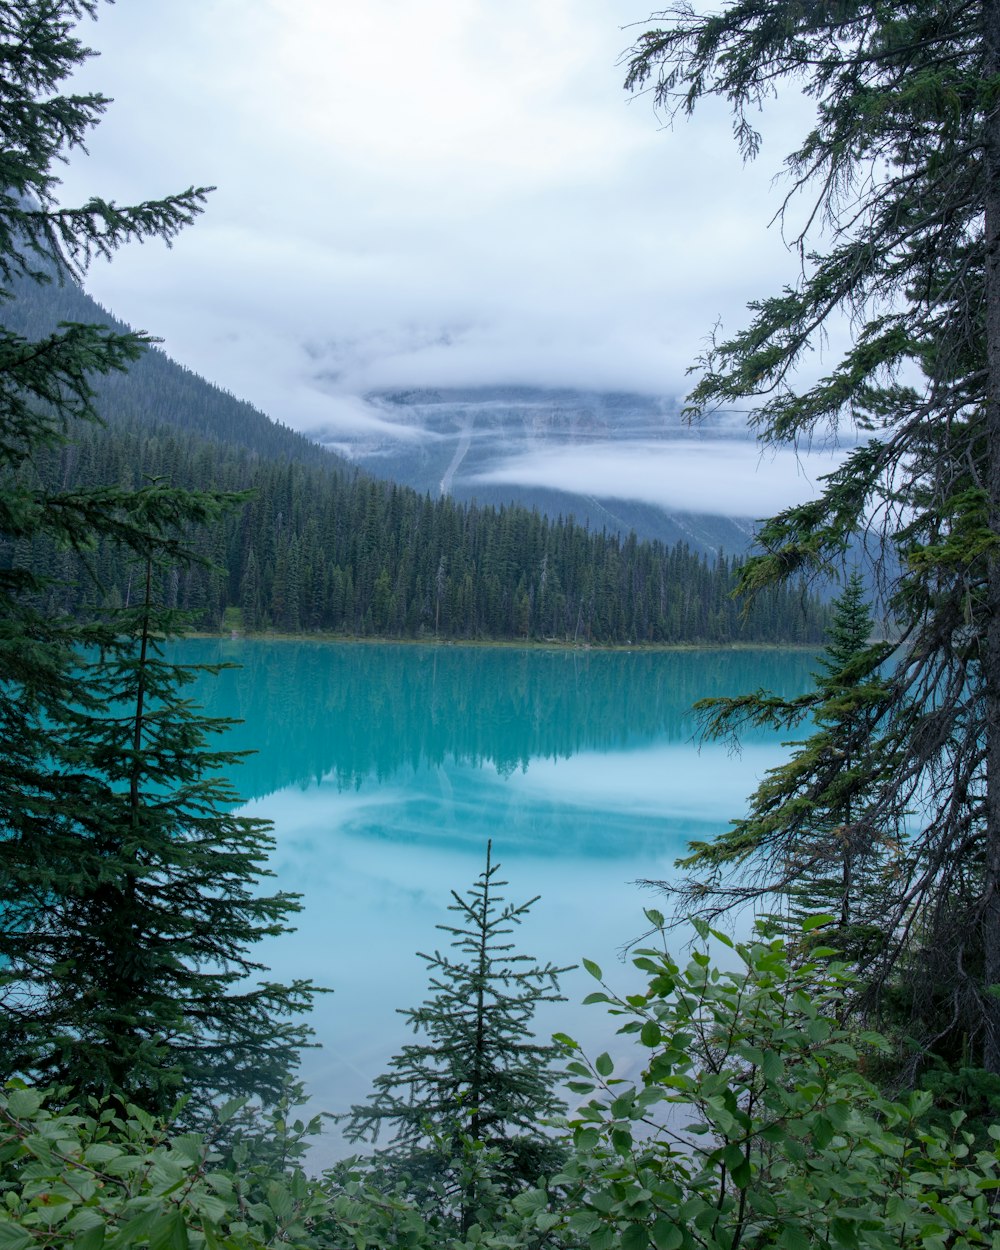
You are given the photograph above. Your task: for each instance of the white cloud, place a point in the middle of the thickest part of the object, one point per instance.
(420, 194)
(718, 476)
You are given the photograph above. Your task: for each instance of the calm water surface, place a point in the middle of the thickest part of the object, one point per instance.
(385, 769)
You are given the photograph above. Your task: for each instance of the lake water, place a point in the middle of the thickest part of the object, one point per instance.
(385, 769)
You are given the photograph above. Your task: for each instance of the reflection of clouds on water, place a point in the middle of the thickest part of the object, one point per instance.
(618, 803)
(376, 866)
(386, 770)
(676, 779)
(369, 907)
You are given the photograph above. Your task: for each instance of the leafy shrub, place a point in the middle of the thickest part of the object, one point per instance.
(752, 1123)
(117, 1178)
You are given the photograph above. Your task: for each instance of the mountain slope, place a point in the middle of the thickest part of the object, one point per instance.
(451, 441)
(463, 442)
(323, 546)
(156, 389)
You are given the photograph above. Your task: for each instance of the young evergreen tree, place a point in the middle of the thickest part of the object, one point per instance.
(126, 885)
(128, 943)
(900, 168)
(480, 1076)
(806, 835)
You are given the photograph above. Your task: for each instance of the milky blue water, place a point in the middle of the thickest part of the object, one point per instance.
(385, 769)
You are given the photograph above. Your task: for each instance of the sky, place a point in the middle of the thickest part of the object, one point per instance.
(433, 194)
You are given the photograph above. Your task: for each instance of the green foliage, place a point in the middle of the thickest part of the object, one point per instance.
(898, 173)
(128, 900)
(806, 837)
(321, 547)
(751, 1124)
(732, 1110)
(473, 1094)
(127, 942)
(117, 1177)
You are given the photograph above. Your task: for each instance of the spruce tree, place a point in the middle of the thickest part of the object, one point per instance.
(806, 835)
(126, 883)
(129, 961)
(893, 207)
(480, 1076)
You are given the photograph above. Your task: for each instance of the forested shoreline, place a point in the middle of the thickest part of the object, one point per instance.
(328, 549)
(321, 547)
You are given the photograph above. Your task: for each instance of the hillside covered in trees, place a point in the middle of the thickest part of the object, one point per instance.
(322, 547)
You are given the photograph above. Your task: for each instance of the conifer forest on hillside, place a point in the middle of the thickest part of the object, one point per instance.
(320, 546)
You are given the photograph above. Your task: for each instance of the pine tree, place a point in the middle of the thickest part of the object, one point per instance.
(128, 964)
(480, 1076)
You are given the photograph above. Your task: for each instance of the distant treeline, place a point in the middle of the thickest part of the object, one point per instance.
(321, 547)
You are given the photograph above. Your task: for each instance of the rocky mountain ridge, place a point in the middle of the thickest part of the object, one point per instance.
(460, 441)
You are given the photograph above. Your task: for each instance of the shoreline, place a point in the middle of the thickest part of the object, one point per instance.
(524, 644)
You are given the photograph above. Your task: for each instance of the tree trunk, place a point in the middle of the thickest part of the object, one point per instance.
(991, 475)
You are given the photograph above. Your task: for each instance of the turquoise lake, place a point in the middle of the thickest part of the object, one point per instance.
(385, 769)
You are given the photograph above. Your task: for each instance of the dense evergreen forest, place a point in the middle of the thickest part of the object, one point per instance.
(322, 547)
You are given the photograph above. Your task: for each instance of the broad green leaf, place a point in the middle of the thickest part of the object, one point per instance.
(666, 1235)
(91, 1238)
(602, 1238)
(742, 1174)
(24, 1104)
(530, 1201)
(229, 1109)
(279, 1200)
(212, 1208)
(13, 1236)
(772, 1065)
(794, 1237)
(584, 1222)
(635, 1237)
(821, 1130)
(139, 1228)
(844, 1232)
(101, 1152)
(169, 1232)
(650, 1034)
